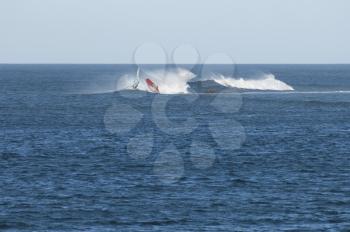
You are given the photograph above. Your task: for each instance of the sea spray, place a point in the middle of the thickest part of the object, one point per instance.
(174, 81)
(266, 82)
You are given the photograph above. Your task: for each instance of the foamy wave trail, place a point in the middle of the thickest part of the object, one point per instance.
(169, 82)
(266, 82)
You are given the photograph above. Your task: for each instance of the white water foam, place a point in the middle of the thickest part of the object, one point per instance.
(175, 81)
(169, 82)
(266, 82)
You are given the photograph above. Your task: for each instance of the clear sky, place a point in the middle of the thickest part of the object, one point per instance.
(108, 31)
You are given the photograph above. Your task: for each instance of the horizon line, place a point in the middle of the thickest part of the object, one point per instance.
(73, 63)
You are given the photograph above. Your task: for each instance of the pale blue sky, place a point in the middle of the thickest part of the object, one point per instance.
(108, 31)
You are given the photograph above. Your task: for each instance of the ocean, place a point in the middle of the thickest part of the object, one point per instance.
(220, 148)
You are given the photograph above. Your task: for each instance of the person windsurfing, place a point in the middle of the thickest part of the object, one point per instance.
(151, 85)
(137, 80)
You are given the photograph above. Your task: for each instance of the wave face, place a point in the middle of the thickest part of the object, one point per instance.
(266, 82)
(176, 81)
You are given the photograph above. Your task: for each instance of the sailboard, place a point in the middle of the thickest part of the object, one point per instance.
(152, 86)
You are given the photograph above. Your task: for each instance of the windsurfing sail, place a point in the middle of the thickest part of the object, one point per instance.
(137, 80)
(152, 86)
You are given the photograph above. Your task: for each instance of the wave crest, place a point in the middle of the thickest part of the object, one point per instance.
(266, 82)
(176, 81)
(169, 82)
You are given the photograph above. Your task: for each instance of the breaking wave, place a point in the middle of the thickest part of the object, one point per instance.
(266, 82)
(176, 81)
(169, 82)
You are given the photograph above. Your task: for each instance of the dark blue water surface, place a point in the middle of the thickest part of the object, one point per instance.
(75, 155)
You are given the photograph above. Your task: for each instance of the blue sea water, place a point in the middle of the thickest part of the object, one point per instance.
(77, 155)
